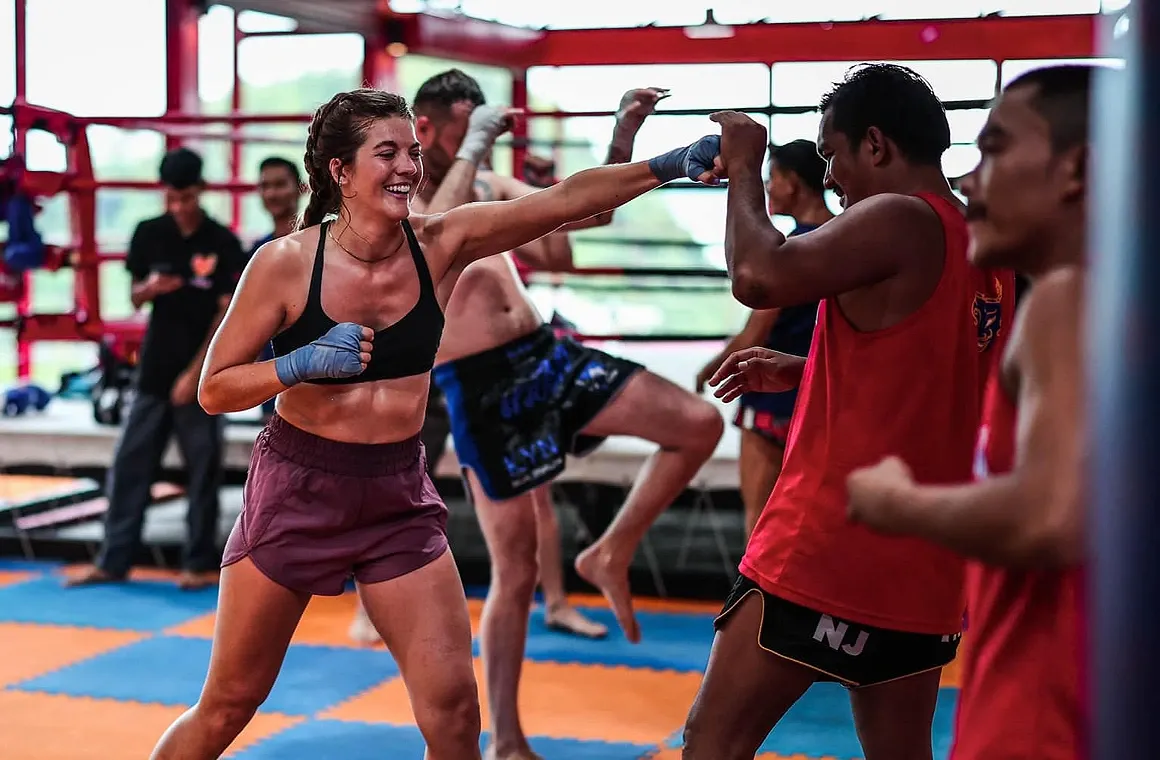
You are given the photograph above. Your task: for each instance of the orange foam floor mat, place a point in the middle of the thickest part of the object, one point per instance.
(100, 672)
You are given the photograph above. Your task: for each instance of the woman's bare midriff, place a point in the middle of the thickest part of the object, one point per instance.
(489, 307)
(384, 411)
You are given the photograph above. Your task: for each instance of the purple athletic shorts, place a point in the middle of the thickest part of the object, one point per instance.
(318, 512)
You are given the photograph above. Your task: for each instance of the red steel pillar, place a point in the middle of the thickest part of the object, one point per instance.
(24, 302)
(520, 129)
(181, 61)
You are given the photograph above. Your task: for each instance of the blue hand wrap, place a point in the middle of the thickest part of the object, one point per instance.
(690, 161)
(334, 355)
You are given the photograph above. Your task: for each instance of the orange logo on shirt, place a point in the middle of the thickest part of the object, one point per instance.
(203, 264)
(987, 312)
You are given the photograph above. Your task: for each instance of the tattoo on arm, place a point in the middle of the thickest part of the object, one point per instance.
(483, 191)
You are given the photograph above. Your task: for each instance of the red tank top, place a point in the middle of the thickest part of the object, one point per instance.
(914, 390)
(1020, 693)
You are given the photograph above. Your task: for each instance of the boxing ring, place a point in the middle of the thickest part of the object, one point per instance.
(65, 438)
(90, 658)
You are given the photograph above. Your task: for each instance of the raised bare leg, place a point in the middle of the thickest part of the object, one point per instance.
(687, 429)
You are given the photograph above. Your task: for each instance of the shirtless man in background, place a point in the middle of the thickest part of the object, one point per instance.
(520, 399)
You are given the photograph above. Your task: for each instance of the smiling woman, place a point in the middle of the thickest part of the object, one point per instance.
(338, 486)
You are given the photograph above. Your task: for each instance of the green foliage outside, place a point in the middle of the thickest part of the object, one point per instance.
(636, 305)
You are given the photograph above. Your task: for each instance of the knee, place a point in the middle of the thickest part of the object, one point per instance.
(693, 737)
(227, 710)
(701, 743)
(515, 570)
(693, 744)
(449, 719)
(703, 425)
(710, 735)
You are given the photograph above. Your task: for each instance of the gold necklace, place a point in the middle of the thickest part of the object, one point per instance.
(347, 251)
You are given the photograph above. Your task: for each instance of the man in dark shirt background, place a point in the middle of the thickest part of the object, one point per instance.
(186, 265)
(280, 188)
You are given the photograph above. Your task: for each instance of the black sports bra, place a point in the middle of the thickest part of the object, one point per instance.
(403, 349)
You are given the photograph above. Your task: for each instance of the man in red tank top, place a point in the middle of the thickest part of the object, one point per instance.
(1021, 521)
(905, 336)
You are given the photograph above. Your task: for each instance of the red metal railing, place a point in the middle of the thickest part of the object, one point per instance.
(468, 40)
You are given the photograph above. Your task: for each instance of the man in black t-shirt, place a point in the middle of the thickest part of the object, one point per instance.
(186, 265)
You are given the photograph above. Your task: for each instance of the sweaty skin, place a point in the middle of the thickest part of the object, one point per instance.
(1032, 516)
(490, 307)
(489, 286)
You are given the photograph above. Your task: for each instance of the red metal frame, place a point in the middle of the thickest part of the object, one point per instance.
(468, 40)
(235, 132)
(24, 297)
(993, 38)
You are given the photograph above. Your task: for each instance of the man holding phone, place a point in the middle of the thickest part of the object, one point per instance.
(185, 264)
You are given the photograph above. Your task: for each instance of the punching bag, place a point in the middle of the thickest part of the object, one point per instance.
(1124, 390)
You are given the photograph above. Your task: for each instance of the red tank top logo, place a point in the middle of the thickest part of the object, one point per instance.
(987, 311)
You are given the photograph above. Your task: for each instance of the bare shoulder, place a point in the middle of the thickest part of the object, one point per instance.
(1047, 324)
(287, 256)
(489, 186)
(277, 274)
(436, 240)
(887, 218)
(426, 226)
(1055, 300)
(1058, 290)
(892, 207)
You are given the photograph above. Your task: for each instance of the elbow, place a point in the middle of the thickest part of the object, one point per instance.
(603, 219)
(1055, 545)
(1052, 540)
(750, 289)
(210, 398)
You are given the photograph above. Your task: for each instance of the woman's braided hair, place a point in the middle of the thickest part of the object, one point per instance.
(337, 131)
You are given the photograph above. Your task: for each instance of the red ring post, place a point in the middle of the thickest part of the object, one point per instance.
(497, 45)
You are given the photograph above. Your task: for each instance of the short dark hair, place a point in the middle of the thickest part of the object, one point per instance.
(440, 92)
(899, 102)
(801, 157)
(180, 169)
(337, 130)
(277, 162)
(1063, 98)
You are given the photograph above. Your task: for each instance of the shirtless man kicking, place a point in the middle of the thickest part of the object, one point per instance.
(520, 400)
(906, 335)
(1021, 522)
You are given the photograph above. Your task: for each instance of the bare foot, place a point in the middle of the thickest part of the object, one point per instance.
(362, 630)
(567, 619)
(91, 577)
(598, 568)
(190, 581)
